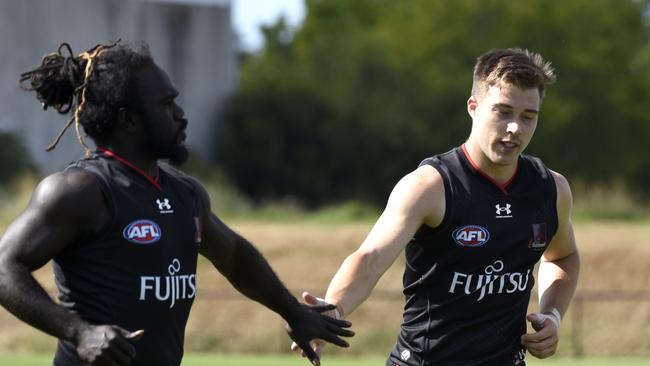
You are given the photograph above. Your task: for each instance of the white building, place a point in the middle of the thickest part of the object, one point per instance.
(192, 40)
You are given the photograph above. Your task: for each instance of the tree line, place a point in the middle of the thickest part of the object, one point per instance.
(363, 90)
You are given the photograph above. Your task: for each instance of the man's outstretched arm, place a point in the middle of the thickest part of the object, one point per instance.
(416, 200)
(249, 272)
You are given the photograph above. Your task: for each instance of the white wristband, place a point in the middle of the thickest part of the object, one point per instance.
(337, 315)
(555, 317)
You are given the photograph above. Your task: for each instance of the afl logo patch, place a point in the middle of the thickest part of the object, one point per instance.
(471, 236)
(142, 232)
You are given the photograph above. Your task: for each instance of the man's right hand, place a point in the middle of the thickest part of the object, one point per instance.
(107, 345)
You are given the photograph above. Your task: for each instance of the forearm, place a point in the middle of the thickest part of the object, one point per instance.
(558, 280)
(24, 297)
(252, 275)
(352, 283)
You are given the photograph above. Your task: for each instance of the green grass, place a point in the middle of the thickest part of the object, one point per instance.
(290, 360)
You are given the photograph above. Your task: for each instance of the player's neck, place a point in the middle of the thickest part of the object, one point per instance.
(148, 165)
(500, 173)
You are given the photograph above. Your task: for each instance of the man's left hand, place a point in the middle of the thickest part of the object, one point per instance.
(544, 341)
(310, 324)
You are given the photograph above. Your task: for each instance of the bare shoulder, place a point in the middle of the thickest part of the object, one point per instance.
(74, 193)
(423, 180)
(422, 192)
(428, 175)
(564, 196)
(561, 183)
(65, 206)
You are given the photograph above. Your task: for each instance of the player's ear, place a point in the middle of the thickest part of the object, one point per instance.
(472, 104)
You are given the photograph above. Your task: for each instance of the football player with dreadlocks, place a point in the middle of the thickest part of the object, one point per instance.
(123, 229)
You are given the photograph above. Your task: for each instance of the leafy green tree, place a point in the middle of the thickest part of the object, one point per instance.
(365, 89)
(14, 158)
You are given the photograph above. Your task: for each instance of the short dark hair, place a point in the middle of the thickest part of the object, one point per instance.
(97, 83)
(516, 66)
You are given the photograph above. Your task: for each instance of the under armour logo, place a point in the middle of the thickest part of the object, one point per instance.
(164, 205)
(405, 355)
(503, 212)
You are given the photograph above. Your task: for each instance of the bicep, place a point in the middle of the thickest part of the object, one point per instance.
(217, 239)
(62, 209)
(387, 238)
(33, 239)
(218, 243)
(416, 200)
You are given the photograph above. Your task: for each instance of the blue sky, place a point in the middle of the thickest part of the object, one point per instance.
(248, 15)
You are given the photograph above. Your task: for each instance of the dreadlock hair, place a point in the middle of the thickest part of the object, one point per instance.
(97, 83)
(519, 67)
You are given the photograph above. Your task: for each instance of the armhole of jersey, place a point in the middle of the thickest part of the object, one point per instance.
(554, 204)
(449, 204)
(108, 198)
(198, 197)
(193, 186)
(200, 205)
(542, 169)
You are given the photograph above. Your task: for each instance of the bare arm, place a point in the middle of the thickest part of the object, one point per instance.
(64, 208)
(61, 205)
(558, 278)
(245, 267)
(417, 199)
(560, 264)
(249, 272)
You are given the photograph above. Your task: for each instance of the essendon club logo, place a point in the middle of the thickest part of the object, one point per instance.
(142, 232)
(471, 236)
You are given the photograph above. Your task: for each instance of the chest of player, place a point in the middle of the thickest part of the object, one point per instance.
(501, 222)
(485, 251)
(152, 246)
(507, 232)
(151, 222)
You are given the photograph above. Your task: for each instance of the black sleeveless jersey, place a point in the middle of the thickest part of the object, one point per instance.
(140, 271)
(467, 282)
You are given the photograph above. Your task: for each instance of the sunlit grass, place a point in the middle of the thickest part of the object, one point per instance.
(612, 202)
(292, 360)
(291, 238)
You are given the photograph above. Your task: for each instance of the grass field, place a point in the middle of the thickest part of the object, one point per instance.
(610, 319)
(240, 360)
(615, 257)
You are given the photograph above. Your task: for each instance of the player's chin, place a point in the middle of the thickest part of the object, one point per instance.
(179, 155)
(503, 160)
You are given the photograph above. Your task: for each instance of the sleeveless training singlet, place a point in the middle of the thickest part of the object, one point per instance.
(140, 271)
(467, 282)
